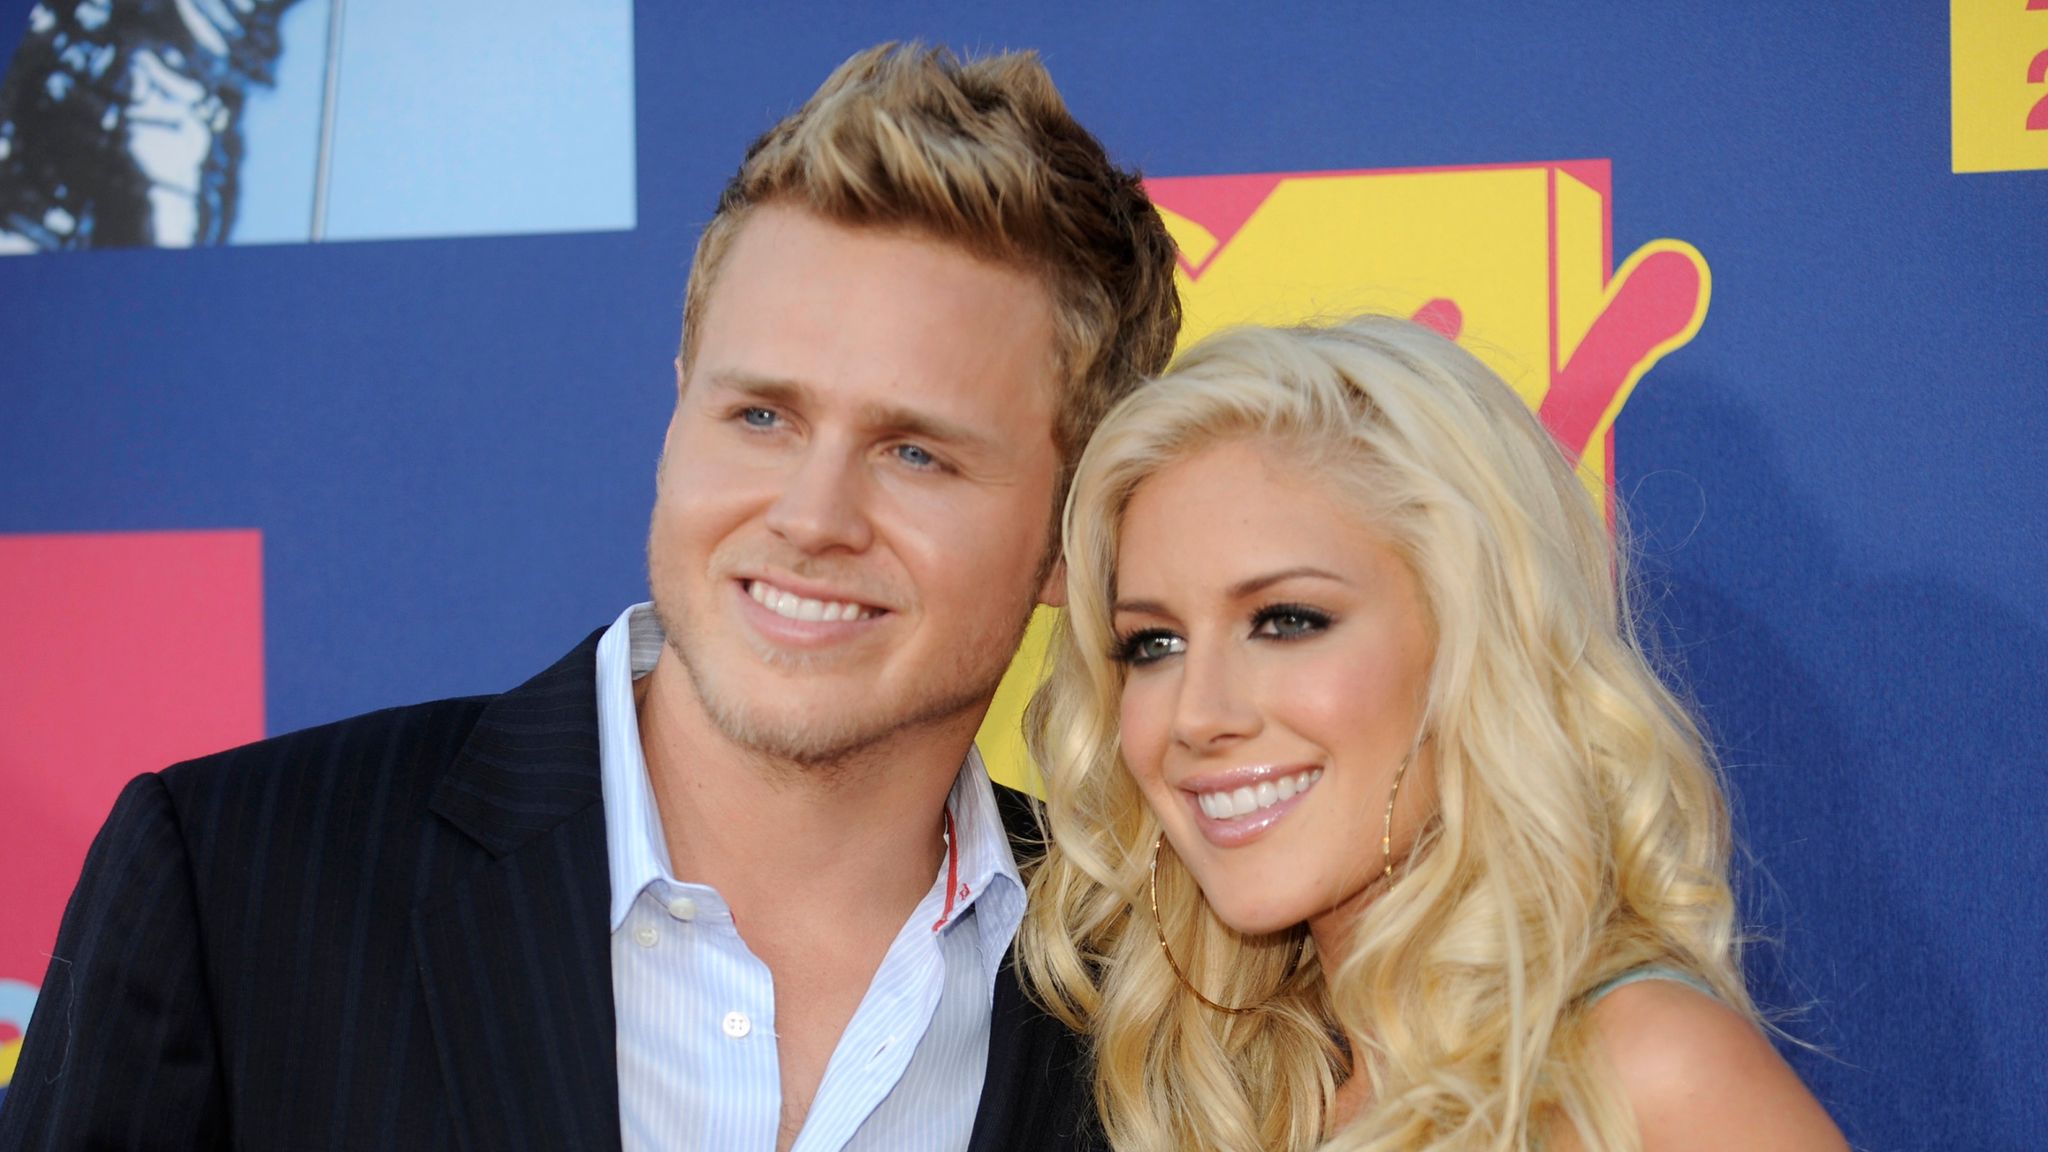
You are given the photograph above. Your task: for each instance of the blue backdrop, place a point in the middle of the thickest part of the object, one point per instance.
(448, 444)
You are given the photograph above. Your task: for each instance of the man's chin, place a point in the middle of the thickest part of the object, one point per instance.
(798, 742)
(834, 728)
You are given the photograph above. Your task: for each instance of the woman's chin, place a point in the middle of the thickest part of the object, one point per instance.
(1257, 917)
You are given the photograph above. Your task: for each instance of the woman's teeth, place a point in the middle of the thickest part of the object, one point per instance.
(1252, 797)
(796, 607)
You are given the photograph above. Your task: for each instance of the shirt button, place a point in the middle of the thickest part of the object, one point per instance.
(683, 908)
(737, 1025)
(647, 936)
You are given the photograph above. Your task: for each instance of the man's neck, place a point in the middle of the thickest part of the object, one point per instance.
(820, 867)
(792, 843)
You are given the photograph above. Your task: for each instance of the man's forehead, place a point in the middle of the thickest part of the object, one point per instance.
(900, 323)
(780, 241)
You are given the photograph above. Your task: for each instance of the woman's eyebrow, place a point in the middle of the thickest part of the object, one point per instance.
(1256, 584)
(1140, 607)
(1250, 586)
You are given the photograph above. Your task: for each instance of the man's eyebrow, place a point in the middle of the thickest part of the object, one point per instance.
(925, 426)
(775, 388)
(886, 418)
(1250, 586)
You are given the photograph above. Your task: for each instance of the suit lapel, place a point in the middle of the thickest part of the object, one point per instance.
(1038, 1092)
(515, 952)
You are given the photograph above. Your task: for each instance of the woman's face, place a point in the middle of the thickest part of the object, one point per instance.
(1277, 657)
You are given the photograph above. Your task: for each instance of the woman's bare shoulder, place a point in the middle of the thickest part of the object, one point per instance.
(1702, 1078)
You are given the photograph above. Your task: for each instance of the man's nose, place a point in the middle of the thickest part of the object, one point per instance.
(823, 503)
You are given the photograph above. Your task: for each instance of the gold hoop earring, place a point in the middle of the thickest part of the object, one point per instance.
(1164, 950)
(1387, 826)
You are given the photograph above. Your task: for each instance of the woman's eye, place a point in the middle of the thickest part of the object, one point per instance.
(1150, 647)
(1289, 622)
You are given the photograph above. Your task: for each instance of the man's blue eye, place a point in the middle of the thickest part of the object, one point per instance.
(758, 417)
(915, 456)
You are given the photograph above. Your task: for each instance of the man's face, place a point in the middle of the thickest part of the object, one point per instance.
(854, 502)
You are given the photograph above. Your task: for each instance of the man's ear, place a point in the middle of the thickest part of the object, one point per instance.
(661, 461)
(1053, 593)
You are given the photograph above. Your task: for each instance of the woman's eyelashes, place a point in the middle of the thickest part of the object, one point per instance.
(1147, 646)
(1272, 622)
(1289, 621)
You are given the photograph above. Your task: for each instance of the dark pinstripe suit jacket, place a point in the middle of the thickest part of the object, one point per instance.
(389, 932)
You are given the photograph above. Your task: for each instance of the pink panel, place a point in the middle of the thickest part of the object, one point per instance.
(1652, 306)
(1220, 204)
(119, 654)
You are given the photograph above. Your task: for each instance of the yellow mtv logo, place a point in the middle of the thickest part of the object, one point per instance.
(1515, 261)
(1998, 84)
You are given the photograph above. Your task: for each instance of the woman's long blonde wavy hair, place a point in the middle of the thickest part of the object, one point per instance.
(1581, 830)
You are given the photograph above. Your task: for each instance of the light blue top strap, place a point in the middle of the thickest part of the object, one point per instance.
(1650, 972)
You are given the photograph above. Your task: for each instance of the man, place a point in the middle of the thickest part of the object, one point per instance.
(729, 875)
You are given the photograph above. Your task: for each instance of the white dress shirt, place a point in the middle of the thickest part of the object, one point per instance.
(696, 1008)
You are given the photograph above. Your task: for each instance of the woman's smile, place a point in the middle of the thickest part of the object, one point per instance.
(1237, 805)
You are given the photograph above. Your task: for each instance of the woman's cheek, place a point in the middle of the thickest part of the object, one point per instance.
(1144, 724)
(1344, 685)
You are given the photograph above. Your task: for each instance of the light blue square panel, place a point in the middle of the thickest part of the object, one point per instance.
(288, 121)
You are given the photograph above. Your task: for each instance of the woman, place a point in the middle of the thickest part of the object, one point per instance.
(1370, 822)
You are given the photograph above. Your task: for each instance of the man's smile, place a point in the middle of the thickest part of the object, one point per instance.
(793, 606)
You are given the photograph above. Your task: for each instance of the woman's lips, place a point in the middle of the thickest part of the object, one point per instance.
(1236, 807)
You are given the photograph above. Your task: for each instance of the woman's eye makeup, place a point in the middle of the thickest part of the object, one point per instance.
(1147, 646)
(1289, 621)
(1272, 622)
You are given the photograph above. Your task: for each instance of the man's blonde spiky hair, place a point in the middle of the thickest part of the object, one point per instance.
(982, 154)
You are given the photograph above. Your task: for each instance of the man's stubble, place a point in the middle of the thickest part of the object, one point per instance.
(857, 731)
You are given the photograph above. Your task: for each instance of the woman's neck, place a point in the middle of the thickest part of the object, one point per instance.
(1352, 1097)
(1331, 930)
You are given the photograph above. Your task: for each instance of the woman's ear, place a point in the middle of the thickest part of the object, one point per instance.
(1053, 593)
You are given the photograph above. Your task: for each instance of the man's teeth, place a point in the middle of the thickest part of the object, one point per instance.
(1252, 797)
(798, 607)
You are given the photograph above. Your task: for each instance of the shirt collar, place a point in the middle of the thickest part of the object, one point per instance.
(638, 852)
(987, 868)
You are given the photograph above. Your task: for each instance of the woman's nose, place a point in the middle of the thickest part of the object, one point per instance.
(1215, 707)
